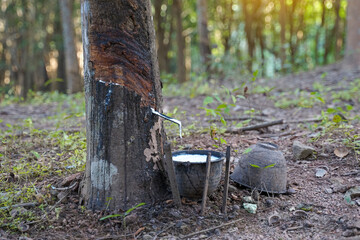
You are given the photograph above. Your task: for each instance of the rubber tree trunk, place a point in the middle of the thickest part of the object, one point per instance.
(72, 72)
(125, 140)
(204, 43)
(352, 53)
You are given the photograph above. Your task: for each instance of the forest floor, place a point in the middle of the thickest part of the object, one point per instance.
(318, 108)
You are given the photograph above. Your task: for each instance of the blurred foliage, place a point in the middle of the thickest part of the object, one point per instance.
(244, 35)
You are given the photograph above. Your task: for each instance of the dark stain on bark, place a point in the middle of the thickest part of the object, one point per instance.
(120, 48)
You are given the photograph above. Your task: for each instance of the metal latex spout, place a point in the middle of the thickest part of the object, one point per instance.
(168, 118)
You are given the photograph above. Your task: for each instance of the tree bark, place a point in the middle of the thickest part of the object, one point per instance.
(125, 140)
(204, 43)
(73, 77)
(352, 53)
(180, 68)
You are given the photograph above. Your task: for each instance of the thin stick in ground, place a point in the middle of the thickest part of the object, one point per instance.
(169, 168)
(226, 184)
(206, 185)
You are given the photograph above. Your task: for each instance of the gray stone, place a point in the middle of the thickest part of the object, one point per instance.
(251, 208)
(175, 213)
(188, 146)
(233, 189)
(291, 191)
(236, 207)
(320, 173)
(248, 199)
(349, 233)
(147, 237)
(62, 196)
(328, 190)
(131, 219)
(352, 193)
(301, 151)
(269, 202)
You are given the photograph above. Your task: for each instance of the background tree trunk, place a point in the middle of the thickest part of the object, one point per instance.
(73, 77)
(283, 33)
(125, 140)
(202, 23)
(352, 53)
(180, 67)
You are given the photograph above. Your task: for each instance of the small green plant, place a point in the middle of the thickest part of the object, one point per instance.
(122, 215)
(268, 166)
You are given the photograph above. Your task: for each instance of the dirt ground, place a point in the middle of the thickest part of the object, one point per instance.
(313, 208)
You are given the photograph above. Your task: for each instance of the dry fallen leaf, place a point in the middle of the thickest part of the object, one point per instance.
(341, 152)
(139, 231)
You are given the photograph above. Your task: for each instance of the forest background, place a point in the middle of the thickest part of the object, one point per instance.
(41, 49)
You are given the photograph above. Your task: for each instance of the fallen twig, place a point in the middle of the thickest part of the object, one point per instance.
(304, 120)
(255, 127)
(115, 237)
(277, 134)
(271, 123)
(210, 229)
(163, 230)
(65, 188)
(240, 119)
(292, 229)
(31, 204)
(351, 173)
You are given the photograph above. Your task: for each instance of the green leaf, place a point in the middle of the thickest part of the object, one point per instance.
(233, 98)
(247, 150)
(320, 99)
(235, 90)
(255, 75)
(240, 97)
(270, 166)
(336, 119)
(253, 165)
(224, 105)
(48, 82)
(223, 121)
(349, 107)
(110, 216)
(133, 208)
(36, 154)
(218, 98)
(223, 141)
(330, 110)
(208, 100)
